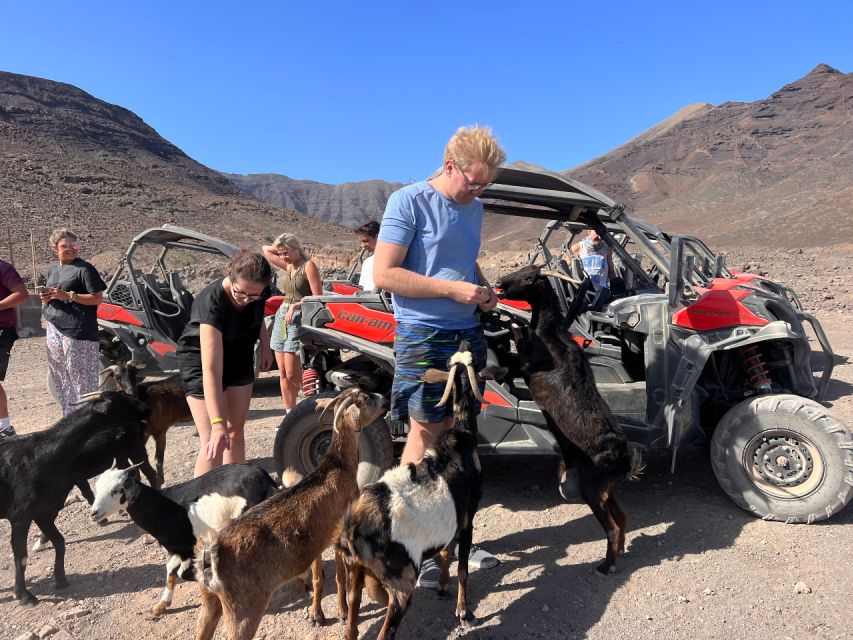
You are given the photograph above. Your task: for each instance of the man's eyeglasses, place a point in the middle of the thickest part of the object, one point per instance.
(472, 186)
(242, 294)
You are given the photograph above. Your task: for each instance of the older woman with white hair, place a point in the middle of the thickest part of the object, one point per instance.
(300, 277)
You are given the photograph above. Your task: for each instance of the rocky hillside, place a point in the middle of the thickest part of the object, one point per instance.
(67, 158)
(776, 171)
(349, 204)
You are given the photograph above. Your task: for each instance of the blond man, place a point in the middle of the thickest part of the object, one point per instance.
(426, 256)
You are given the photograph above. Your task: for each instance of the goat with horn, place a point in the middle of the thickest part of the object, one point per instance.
(415, 510)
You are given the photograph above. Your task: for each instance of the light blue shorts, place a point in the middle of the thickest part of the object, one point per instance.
(285, 337)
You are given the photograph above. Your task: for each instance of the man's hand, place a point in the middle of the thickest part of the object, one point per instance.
(491, 303)
(468, 293)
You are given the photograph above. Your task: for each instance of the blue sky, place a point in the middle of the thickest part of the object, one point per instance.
(346, 91)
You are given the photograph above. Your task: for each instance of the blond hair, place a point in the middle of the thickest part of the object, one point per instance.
(290, 240)
(472, 145)
(61, 233)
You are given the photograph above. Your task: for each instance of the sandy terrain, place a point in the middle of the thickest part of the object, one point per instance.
(697, 566)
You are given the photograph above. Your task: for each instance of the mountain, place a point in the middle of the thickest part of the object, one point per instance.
(775, 171)
(349, 204)
(70, 159)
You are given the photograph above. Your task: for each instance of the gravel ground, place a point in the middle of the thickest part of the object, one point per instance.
(697, 566)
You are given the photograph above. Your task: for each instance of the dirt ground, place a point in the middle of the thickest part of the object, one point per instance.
(697, 566)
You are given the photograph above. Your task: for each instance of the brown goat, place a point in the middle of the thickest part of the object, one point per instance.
(280, 539)
(166, 399)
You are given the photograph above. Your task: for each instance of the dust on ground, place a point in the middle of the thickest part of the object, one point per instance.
(697, 566)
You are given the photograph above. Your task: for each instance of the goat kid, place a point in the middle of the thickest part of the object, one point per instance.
(166, 397)
(182, 514)
(595, 450)
(279, 540)
(38, 470)
(413, 512)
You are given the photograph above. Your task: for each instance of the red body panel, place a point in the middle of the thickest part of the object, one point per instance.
(115, 313)
(491, 397)
(357, 320)
(517, 304)
(161, 348)
(344, 288)
(716, 309)
(272, 305)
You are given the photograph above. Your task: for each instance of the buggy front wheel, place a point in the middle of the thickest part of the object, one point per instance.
(304, 436)
(784, 457)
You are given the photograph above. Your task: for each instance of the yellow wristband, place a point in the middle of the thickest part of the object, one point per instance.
(216, 421)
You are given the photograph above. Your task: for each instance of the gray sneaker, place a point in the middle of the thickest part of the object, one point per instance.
(477, 558)
(429, 574)
(8, 432)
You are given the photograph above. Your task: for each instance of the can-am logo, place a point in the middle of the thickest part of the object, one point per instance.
(357, 318)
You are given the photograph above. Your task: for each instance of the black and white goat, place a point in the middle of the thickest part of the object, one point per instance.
(414, 511)
(594, 448)
(181, 514)
(38, 470)
(166, 397)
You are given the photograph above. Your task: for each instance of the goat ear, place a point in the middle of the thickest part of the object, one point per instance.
(493, 373)
(323, 403)
(435, 375)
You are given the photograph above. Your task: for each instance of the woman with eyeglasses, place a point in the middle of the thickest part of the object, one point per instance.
(71, 298)
(299, 277)
(216, 357)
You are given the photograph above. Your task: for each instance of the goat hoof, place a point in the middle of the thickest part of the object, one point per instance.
(467, 620)
(27, 599)
(62, 583)
(442, 593)
(605, 569)
(158, 611)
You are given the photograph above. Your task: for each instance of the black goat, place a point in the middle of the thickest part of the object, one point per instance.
(38, 470)
(181, 514)
(413, 512)
(166, 397)
(594, 448)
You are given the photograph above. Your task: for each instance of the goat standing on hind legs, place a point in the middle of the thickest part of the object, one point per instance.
(594, 448)
(413, 512)
(281, 538)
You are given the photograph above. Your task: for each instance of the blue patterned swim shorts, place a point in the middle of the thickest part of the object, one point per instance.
(417, 348)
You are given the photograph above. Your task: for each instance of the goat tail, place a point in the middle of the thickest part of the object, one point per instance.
(636, 465)
(205, 563)
(290, 477)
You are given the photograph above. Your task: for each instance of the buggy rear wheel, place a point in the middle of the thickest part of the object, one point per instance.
(784, 457)
(303, 438)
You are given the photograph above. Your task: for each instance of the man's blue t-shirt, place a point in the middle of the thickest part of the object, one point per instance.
(443, 240)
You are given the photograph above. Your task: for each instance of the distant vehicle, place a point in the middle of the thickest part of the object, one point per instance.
(684, 350)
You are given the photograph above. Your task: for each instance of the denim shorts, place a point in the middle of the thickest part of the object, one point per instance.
(285, 337)
(418, 348)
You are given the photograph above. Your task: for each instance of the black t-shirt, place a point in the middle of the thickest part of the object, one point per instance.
(240, 328)
(75, 320)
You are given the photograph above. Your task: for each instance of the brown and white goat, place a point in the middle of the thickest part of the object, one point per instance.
(166, 398)
(594, 448)
(280, 539)
(414, 511)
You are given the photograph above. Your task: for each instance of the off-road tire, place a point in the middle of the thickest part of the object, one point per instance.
(784, 457)
(302, 439)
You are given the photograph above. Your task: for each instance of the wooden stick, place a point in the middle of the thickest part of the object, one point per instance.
(35, 269)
